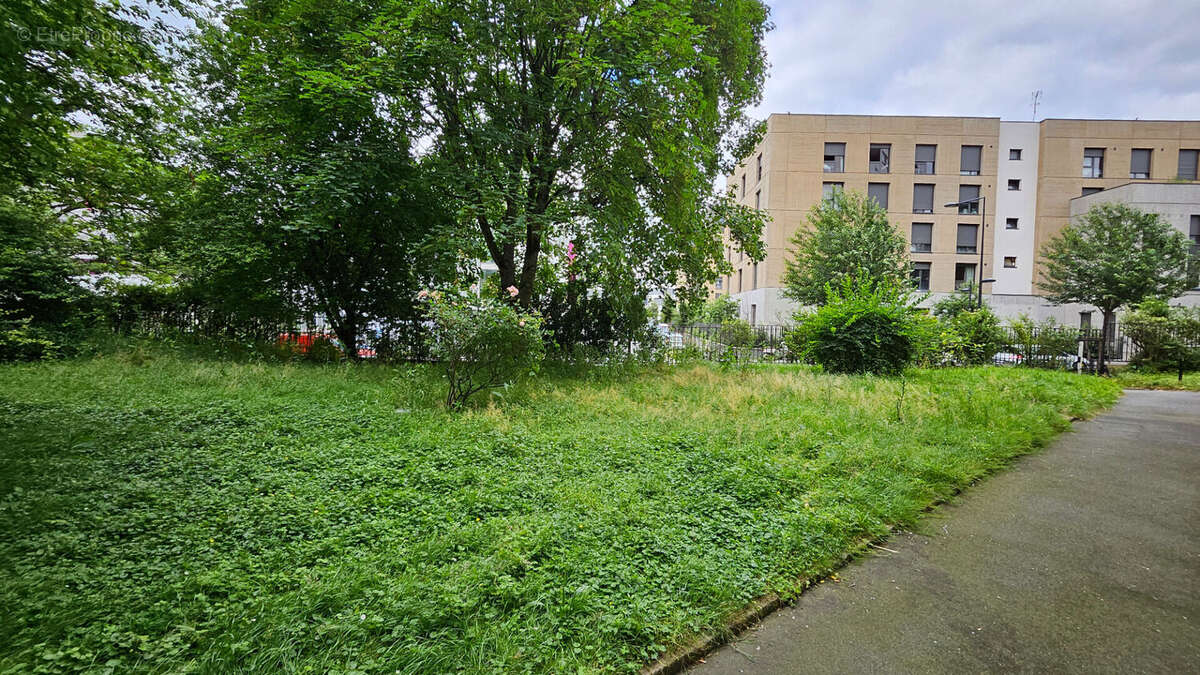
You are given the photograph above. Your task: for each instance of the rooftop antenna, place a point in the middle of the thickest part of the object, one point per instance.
(1037, 98)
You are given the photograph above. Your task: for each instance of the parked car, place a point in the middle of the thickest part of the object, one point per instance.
(1064, 360)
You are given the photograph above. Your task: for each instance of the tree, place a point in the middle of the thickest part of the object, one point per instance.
(603, 123)
(308, 194)
(67, 61)
(1115, 256)
(847, 236)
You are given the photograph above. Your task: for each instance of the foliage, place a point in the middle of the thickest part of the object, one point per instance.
(482, 343)
(719, 309)
(1165, 337)
(299, 522)
(845, 237)
(21, 342)
(929, 337)
(593, 318)
(308, 196)
(972, 337)
(861, 327)
(36, 267)
(1040, 343)
(1116, 256)
(71, 60)
(737, 333)
(956, 303)
(594, 122)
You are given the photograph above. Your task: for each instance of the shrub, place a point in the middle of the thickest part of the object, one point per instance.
(737, 333)
(929, 337)
(482, 343)
(21, 342)
(972, 337)
(861, 328)
(323, 350)
(1162, 334)
(1040, 343)
(719, 309)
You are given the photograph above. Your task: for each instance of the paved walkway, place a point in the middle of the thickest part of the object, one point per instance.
(1083, 558)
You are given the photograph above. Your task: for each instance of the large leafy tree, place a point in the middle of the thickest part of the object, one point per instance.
(308, 195)
(598, 122)
(1115, 256)
(64, 63)
(845, 236)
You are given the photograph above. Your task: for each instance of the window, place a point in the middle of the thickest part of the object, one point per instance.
(1085, 320)
(754, 280)
(1011, 224)
(1014, 154)
(1010, 261)
(970, 195)
(740, 280)
(1014, 184)
(1139, 163)
(758, 199)
(827, 190)
(1187, 164)
(717, 284)
(878, 192)
(967, 237)
(922, 198)
(1093, 162)
(971, 156)
(835, 157)
(881, 158)
(920, 275)
(743, 185)
(1092, 190)
(759, 167)
(926, 159)
(753, 314)
(922, 237)
(964, 275)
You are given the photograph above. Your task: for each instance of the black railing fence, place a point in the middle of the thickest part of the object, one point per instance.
(1035, 346)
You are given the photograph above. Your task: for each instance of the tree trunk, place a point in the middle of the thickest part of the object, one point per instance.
(347, 331)
(1105, 330)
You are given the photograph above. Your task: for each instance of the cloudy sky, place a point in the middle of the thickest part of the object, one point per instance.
(1093, 58)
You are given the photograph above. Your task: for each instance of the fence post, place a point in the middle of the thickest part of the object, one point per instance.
(1079, 359)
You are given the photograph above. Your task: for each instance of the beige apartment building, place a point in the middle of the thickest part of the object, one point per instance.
(1027, 174)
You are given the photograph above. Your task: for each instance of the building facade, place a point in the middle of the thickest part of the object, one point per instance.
(1027, 174)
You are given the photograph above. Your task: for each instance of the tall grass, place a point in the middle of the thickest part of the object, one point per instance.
(162, 513)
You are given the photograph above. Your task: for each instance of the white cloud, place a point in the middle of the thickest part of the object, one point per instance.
(1090, 58)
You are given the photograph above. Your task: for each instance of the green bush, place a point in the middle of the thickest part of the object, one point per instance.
(481, 342)
(861, 328)
(929, 337)
(19, 341)
(1040, 343)
(1161, 335)
(720, 309)
(737, 333)
(970, 335)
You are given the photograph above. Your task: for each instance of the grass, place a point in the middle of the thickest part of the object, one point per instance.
(1131, 379)
(165, 514)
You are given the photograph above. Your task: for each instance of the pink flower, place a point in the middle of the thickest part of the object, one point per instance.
(423, 294)
(521, 322)
(512, 291)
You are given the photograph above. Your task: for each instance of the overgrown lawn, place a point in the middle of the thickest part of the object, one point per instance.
(168, 514)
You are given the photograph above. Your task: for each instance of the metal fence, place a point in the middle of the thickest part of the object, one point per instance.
(1035, 346)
